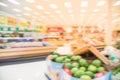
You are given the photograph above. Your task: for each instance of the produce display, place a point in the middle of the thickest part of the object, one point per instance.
(116, 74)
(78, 67)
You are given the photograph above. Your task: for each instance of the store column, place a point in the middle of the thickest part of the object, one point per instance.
(108, 29)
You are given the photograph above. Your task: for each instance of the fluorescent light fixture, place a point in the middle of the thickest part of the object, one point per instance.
(69, 11)
(84, 4)
(54, 6)
(100, 3)
(117, 3)
(36, 13)
(26, 14)
(58, 11)
(68, 4)
(96, 10)
(82, 10)
(27, 8)
(17, 10)
(18, 15)
(46, 12)
(30, 1)
(39, 7)
(3, 4)
(14, 2)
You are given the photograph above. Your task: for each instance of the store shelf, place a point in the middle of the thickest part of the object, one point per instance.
(25, 52)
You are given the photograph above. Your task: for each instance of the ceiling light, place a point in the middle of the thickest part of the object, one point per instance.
(100, 3)
(27, 8)
(54, 6)
(47, 12)
(82, 10)
(71, 15)
(69, 11)
(116, 3)
(17, 10)
(14, 2)
(18, 15)
(51, 16)
(39, 7)
(67, 4)
(30, 1)
(26, 14)
(84, 4)
(58, 12)
(3, 4)
(96, 10)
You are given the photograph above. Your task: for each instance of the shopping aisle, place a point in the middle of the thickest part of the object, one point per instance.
(24, 71)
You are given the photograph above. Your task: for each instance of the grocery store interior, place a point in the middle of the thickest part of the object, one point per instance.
(59, 39)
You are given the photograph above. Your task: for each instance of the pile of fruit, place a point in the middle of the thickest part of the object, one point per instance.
(78, 67)
(116, 74)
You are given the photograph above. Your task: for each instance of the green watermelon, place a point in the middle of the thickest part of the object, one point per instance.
(101, 69)
(92, 68)
(89, 73)
(75, 64)
(68, 65)
(59, 59)
(83, 63)
(83, 68)
(73, 70)
(79, 73)
(97, 63)
(74, 58)
(85, 77)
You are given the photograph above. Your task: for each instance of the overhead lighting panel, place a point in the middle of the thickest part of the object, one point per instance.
(3, 4)
(27, 8)
(58, 11)
(39, 7)
(14, 2)
(84, 4)
(101, 3)
(68, 4)
(47, 12)
(30, 1)
(96, 10)
(117, 3)
(53, 6)
(17, 10)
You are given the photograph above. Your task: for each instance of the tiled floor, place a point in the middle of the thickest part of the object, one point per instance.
(25, 71)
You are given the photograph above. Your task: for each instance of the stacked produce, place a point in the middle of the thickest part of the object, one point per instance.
(78, 67)
(116, 74)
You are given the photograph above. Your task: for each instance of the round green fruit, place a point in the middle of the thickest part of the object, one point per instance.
(54, 57)
(78, 57)
(97, 63)
(74, 58)
(83, 62)
(92, 68)
(69, 56)
(73, 70)
(85, 77)
(101, 69)
(59, 59)
(83, 68)
(79, 73)
(68, 65)
(67, 60)
(75, 64)
(89, 73)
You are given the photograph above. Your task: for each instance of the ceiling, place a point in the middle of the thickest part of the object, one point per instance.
(63, 12)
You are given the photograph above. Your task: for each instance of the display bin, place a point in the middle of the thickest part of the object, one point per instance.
(65, 76)
(54, 69)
